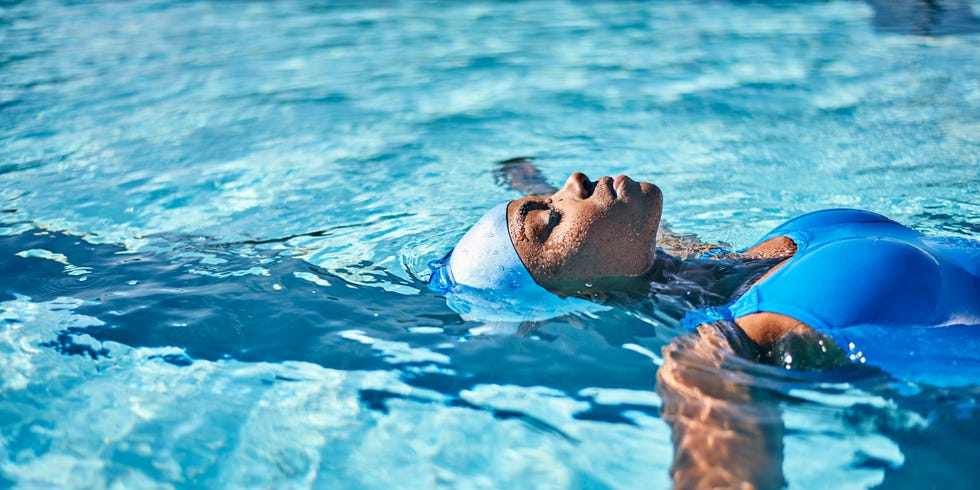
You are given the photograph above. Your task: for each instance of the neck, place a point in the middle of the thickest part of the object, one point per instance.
(674, 285)
(726, 278)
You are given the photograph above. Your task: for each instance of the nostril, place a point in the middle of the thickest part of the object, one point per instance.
(588, 187)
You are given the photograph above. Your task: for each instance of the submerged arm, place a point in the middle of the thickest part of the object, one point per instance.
(521, 175)
(725, 434)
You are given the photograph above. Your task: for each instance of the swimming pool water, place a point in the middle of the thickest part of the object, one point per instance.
(215, 219)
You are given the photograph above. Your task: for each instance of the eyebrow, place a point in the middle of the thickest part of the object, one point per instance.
(522, 211)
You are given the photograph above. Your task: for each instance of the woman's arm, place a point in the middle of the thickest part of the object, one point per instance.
(521, 175)
(725, 433)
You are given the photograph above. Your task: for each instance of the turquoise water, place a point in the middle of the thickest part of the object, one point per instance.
(215, 219)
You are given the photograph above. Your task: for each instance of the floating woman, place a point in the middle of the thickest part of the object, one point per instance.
(851, 286)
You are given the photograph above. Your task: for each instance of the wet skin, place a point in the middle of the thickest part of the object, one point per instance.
(587, 230)
(592, 231)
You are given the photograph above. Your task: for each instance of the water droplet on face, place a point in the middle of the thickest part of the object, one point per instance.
(500, 268)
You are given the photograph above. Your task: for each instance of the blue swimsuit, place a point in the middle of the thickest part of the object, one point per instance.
(890, 296)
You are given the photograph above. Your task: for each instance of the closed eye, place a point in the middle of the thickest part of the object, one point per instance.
(554, 217)
(537, 228)
(548, 224)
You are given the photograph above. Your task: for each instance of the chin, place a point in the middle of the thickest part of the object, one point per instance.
(650, 188)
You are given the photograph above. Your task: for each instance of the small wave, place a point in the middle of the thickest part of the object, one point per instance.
(68, 284)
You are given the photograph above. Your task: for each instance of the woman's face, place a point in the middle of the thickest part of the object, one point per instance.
(587, 230)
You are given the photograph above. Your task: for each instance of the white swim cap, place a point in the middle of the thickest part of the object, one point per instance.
(483, 278)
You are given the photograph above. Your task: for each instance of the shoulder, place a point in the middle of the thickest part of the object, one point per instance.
(765, 327)
(775, 247)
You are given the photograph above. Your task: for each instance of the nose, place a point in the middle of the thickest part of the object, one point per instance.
(579, 185)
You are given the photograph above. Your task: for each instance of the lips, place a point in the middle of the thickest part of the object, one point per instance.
(603, 189)
(621, 185)
(615, 189)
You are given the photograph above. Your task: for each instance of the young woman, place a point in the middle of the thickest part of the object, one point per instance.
(850, 285)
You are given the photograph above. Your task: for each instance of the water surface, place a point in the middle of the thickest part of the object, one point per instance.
(215, 219)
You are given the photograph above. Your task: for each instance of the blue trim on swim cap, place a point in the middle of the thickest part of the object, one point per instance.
(441, 280)
(483, 278)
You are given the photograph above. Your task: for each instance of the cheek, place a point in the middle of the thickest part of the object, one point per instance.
(563, 246)
(584, 253)
(560, 254)
(625, 250)
(596, 247)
